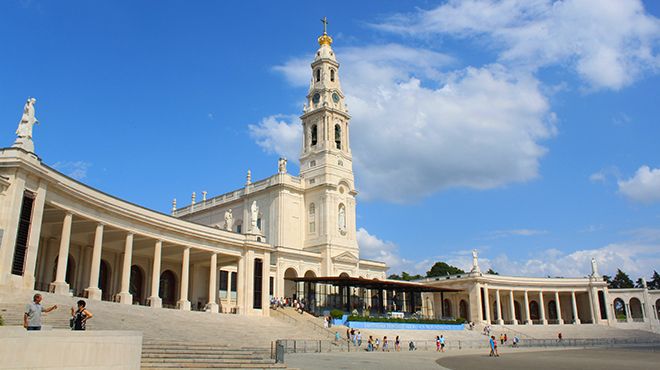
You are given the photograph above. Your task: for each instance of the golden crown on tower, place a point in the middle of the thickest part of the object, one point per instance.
(325, 39)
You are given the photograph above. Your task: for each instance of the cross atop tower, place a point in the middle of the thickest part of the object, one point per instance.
(325, 25)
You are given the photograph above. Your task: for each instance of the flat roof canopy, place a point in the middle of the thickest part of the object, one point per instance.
(371, 283)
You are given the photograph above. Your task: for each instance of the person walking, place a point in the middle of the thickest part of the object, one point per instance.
(370, 344)
(502, 339)
(505, 338)
(493, 346)
(32, 316)
(397, 344)
(80, 316)
(377, 344)
(359, 339)
(559, 337)
(442, 343)
(437, 343)
(386, 347)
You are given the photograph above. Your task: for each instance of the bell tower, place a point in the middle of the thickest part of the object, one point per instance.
(326, 163)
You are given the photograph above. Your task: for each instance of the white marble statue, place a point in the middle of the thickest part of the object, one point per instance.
(229, 220)
(342, 218)
(28, 120)
(248, 178)
(281, 165)
(254, 214)
(475, 261)
(594, 267)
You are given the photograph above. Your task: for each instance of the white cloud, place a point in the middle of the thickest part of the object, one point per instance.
(371, 247)
(279, 134)
(643, 187)
(76, 170)
(515, 232)
(416, 130)
(608, 43)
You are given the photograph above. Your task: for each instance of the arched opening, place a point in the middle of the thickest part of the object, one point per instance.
(657, 309)
(552, 310)
(290, 286)
(338, 136)
(104, 280)
(314, 134)
(463, 309)
(534, 310)
(636, 309)
(516, 308)
(332, 75)
(620, 309)
(167, 289)
(446, 308)
(317, 73)
(310, 291)
(135, 285)
(70, 270)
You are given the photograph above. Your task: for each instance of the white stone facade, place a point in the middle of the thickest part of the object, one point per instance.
(60, 235)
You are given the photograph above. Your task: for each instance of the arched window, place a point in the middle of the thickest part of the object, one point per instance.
(446, 308)
(318, 75)
(314, 135)
(332, 75)
(338, 136)
(167, 288)
(636, 309)
(552, 310)
(463, 309)
(135, 284)
(534, 310)
(620, 309)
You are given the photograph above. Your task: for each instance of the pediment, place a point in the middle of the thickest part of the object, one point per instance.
(346, 257)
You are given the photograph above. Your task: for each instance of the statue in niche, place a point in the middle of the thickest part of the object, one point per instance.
(341, 218)
(229, 220)
(281, 165)
(28, 120)
(254, 215)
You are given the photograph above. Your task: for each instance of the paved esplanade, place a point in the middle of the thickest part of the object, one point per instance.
(637, 358)
(511, 359)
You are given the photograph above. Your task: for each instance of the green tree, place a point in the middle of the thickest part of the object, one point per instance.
(621, 280)
(405, 276)
(492, 272)
(394, 277)
(443, 269)
(655, 281)
(639, 283)
(608, 280)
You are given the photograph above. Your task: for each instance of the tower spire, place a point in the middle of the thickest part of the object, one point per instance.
(325, 25)
(325, 39)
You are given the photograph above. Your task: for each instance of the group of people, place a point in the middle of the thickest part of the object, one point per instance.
(281, 302)
(33, 310)
(504, 339)
(375, 344)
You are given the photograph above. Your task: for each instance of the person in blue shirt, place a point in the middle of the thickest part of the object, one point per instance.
(493, 347)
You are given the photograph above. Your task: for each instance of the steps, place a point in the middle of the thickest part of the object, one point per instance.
(168, 355)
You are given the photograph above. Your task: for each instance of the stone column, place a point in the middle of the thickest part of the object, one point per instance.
(213, 278)
(228, 303)
(558, 305)
(487, 304)
(595, 304)
(125, 296)
(628, 316)
(512, 305)
(576, 318)
(609, 311)
(265, 285)
(542, 309)
(248, 297)
(474, 299)
(498, 307)
(592, 309)
(93, 291)
(184, 303)
(155, 300)
(528, 319)
(35, 235)
(240, 286)
(60, 285)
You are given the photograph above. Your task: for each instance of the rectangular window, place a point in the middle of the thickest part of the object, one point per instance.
(238, 229)
(272, 286)
(258, 276)
(312, 227)
(233, 281)
(224, 277)
(22, 234)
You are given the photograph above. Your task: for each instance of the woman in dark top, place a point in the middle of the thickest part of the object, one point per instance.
(80, 316)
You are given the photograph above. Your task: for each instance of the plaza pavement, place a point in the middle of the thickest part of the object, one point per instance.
(636, 358)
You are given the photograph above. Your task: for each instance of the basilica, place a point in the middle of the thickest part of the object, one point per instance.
(283, 236)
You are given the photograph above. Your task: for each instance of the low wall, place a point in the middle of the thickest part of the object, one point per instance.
(403, 326)
(66, 349)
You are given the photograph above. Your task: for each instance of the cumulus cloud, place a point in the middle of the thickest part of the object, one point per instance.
(643, 187)
(373, 248)
(417, 130)
(76, 170)
(609, 44)
(279, 134)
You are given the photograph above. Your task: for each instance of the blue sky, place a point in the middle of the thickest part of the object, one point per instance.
(525, 129)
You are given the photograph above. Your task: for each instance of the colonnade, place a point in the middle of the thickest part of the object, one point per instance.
(505, 299)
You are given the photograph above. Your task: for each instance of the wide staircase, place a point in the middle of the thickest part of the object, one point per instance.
(174, 338)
